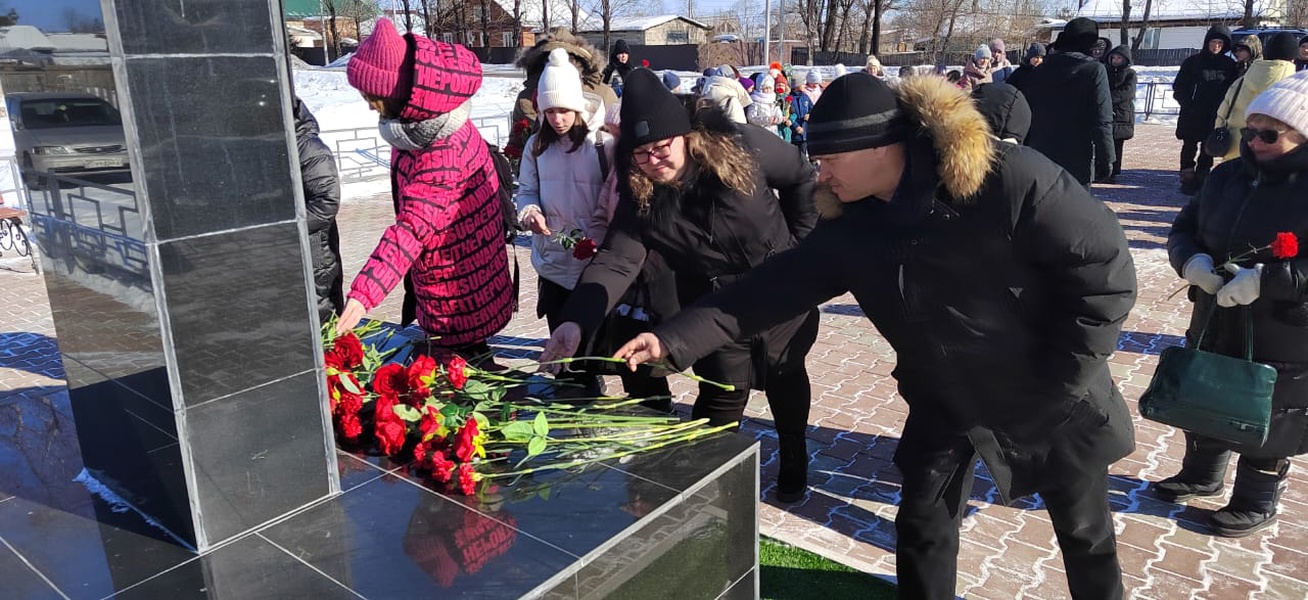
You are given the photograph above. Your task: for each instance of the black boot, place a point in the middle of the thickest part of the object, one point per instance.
(1253, 501)
(1189, 182)
(1203, 473)
(792, 479)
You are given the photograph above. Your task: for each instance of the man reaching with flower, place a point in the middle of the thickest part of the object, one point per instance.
(1002, 286)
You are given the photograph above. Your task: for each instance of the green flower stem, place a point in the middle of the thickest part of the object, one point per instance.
(694, 435)
(563, 361)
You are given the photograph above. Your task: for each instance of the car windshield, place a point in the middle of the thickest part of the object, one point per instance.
(51, 113)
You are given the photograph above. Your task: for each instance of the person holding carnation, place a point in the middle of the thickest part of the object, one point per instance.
(700, 194)
(1255, 201)
(448, 234)
(559, 187)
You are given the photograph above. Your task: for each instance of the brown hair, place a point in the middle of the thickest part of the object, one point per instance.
(719, 154)
(546, 135)
(391, 107)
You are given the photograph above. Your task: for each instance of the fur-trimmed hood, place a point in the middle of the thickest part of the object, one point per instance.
(589, 61)
(958, 132)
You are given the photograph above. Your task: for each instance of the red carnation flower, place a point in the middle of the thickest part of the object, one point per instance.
(390, 380)
(1286, 245)
(423, 366)
(644, 63)
(350, 426)
(431, 421)
(464, 447)
(383, 412)
(390, 436)
(334, 360)
(457, 372)
(421, 452)
(348, 350)
(441, 467)
(584, 249)
(467, 484)
(350, 404)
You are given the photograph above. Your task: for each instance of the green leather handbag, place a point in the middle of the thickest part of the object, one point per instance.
(1213, 395)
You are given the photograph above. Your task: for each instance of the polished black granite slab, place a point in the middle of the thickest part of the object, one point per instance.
(680, 523)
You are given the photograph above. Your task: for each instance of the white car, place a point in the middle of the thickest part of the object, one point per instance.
(66, 132)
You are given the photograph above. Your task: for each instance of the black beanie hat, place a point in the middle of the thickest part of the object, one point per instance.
(650, 112)
(856, 112)
(1281, 46)
(1079, 35)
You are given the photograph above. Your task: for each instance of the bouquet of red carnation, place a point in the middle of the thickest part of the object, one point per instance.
(1284, 246)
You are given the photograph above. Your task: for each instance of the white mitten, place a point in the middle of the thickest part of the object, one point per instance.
(1199, 272)
(1243, 289)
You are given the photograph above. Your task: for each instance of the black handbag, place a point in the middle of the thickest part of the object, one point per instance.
(1219, 140)
(1211, 394)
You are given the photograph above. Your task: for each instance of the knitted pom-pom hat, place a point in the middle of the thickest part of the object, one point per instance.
(560, 84)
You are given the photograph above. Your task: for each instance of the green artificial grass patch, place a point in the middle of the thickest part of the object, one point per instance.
(789, 573)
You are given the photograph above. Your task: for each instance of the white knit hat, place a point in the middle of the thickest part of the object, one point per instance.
(560, 84)
(813, 76)
(1285, 101)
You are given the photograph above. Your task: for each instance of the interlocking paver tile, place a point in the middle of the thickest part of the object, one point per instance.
(1006, 551)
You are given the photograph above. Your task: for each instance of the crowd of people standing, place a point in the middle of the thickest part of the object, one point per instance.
(707, 226)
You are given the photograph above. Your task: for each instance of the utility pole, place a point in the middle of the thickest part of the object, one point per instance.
(767, 31)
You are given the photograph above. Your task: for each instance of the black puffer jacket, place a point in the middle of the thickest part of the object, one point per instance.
(1243, 205)
(1071, 113)
(1201, 84)
(322, 198)
(1003, 292)
(707, 234)
(1121, 86)
(1005, 109)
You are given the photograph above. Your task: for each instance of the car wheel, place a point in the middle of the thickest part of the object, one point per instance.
(29, 173)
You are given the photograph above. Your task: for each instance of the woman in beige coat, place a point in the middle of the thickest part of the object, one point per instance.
(1276, 64)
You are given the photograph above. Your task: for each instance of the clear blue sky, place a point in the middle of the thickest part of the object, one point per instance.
(48, 14)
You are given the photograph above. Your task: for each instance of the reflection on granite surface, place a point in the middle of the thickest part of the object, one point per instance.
(223, 114)
(20, 581)
(257, 455)
(576, 510)
(169, 26)
(238, 308)
(400, 540)
(249, 568)
(39, 455)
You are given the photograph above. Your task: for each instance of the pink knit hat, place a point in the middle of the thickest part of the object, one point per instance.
(375, 67)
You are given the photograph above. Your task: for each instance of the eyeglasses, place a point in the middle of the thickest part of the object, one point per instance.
(1268, 136)
(660, 152)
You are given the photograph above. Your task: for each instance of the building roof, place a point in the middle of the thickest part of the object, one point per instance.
(1181, 10)
(78, 42)
(636, 23)
(24, 36)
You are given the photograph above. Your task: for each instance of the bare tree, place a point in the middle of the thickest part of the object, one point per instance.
(408, 15)
(1250, 19)
(574, 6)
(359, 11)
(544, 15)
(10, 18)
(1296, 14)
(1124, 28)
(1144, 25)
(334, 38)
(691, 5)
(608, 10)
(869, 38)
(517, 23)
(75, 21)
(425, 7)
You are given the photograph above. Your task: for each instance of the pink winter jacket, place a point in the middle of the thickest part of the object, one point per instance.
(448, 231)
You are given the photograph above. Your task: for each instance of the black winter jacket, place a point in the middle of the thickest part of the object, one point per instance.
(1201, 84)
(1071, 114)
(707, 234)
(322, 198)
(1242, 206)
(1003, 294)
(1121, 86)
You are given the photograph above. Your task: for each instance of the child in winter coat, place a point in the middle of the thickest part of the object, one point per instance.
(1121, 87)
(800, 105)
(783, 104)
(763, 109)
(449, 233)
(559, 186)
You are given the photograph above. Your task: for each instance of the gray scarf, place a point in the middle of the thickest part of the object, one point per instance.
(417, 135)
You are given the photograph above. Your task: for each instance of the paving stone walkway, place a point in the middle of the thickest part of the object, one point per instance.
(1007, 551)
